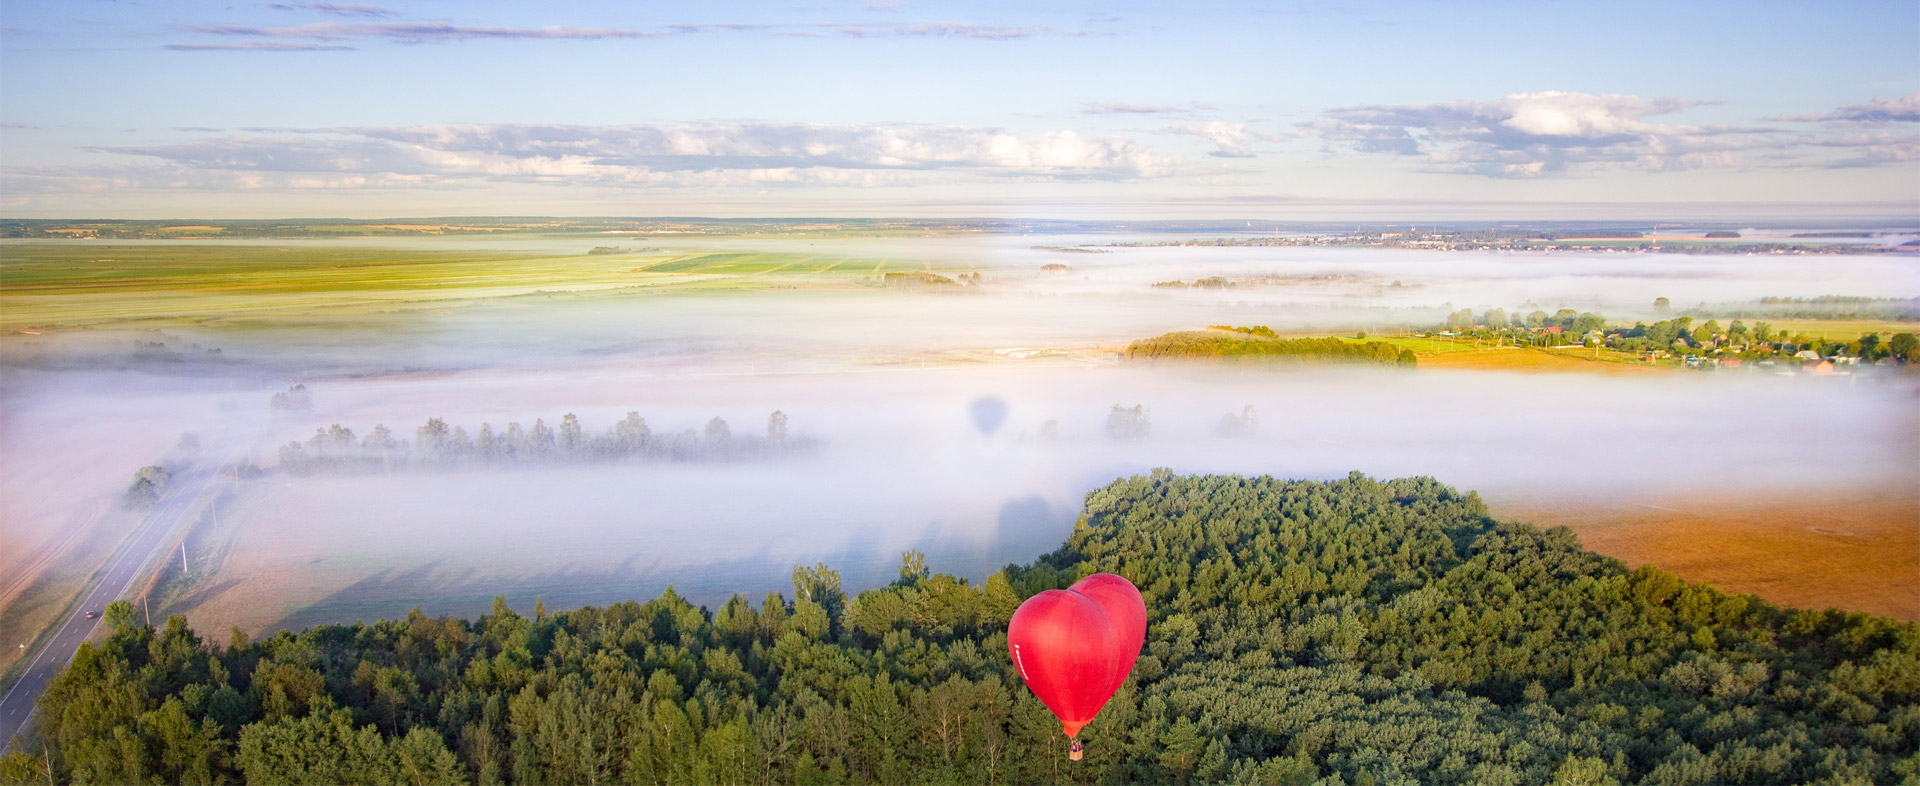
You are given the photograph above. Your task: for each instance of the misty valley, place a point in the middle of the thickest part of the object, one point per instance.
(613, 426)
(417, 477)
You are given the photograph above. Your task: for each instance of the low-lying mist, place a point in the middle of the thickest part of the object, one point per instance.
(887, 382)
(904, 463)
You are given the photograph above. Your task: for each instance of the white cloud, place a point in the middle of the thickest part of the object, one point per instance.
(1549, 132)
(1905, 109)
(707, 154)
(1869, 148)
(1110, 108)
(409, 32)
(258, 46)
(1585, 116)
(760, 145)
(1231, 139)
(298, 37)
(931, 30)
(337, 9)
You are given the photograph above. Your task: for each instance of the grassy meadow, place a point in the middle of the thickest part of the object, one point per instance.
(1834, 329)
(65, 285)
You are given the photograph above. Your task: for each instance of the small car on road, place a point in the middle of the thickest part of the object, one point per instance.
(93, 615)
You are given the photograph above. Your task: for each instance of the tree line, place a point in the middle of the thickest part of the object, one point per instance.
(1260, 343)
(1760, 341)
(1565, 321)
(1821, 307)
(1353, 631)
(439, 446)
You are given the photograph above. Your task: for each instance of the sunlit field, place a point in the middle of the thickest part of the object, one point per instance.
(54, 286)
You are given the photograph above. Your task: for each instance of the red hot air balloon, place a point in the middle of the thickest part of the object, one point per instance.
(1074, 647)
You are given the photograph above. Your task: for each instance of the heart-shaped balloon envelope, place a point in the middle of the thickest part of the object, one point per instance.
(1074, 647)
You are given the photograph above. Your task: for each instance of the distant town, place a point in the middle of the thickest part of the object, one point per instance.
(1597, 240)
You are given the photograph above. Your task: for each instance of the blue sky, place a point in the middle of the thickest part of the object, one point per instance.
(896, 107)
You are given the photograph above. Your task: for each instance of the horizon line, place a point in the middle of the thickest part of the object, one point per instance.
(1905, 217)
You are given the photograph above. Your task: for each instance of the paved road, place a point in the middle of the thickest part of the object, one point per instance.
(190, 491)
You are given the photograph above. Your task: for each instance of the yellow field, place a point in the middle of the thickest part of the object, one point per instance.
(435, 228)
(1531, 360)
(1857, 550)
(1484, 356)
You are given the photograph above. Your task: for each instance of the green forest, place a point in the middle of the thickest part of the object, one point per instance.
(1354, 631)
(1260, 344)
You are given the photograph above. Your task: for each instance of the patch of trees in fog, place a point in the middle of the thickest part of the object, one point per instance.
(439, 446)
(155, 356)
(1260, 343)
(1355, 631)
(1822, 307)
(922, 278)
(1210, 282)
(1129, 424)
(150, 483)
(1244, 424)
(294, 399)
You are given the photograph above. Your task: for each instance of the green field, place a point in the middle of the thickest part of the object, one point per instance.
(1832, 329)
(68, 285)
(1419, 344)
(472, 226)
